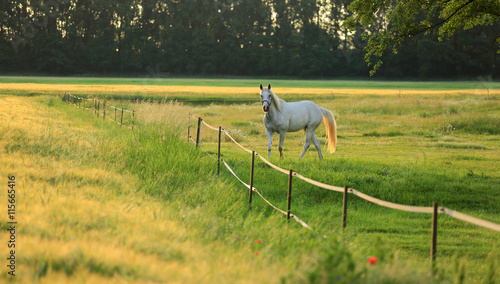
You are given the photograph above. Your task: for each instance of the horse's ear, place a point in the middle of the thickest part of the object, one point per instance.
(269, 87)
(261, 86)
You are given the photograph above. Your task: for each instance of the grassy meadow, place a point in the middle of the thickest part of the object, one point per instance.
(98, 203)
(233, 90)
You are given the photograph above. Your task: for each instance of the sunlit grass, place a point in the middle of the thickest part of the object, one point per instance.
(148, 79)
(390, 151)
(221, 90)
(83, 217)
(146, 206)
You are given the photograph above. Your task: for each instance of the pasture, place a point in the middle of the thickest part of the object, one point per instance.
(100, 203)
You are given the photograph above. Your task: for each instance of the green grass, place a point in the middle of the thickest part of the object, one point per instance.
(387, 150)
(252, 82)
(148, 200)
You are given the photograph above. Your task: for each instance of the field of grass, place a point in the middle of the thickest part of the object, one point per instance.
(100, 203)
(246, 90)
(151, 79)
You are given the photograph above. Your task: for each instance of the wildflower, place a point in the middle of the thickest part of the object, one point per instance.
(372, 260)
(259, 242)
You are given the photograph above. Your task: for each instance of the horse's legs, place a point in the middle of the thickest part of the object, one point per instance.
(282, 139)
(317, 145)
(307, 143)
(269, 141)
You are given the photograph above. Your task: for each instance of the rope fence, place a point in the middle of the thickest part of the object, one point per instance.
(263, 198)
(434, 210)
(99, 108)
(117, 116)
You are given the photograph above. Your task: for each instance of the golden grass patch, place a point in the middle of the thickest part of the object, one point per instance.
(84, 222)
(218, 92)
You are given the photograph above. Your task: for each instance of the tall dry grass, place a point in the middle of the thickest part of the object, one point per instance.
(85, 216)
(165, 114)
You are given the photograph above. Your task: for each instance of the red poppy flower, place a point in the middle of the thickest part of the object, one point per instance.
(372, 260)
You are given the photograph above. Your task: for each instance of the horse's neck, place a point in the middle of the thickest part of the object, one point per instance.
(274, 113)
(277, 101)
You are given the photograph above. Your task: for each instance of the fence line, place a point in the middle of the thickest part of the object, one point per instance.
(267, 201)
(391, 205)
(319, 184)
(206, 152)
(416, 209)
(76, 101)
(211, 127)
(96, 107)
(470, 219)
(273, 165)
(230, 137)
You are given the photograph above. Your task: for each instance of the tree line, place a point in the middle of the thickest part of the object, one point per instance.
(300, 38)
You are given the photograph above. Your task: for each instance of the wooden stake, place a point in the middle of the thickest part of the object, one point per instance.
(434, 231)
(121, 119)
(251, 180)
(218, 152)
(198, 131)
(289, 205)
(189, 126)
(344, 208)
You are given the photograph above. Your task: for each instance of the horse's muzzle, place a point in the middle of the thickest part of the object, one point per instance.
(265, 106)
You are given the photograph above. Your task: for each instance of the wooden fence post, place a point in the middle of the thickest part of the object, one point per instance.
(434, 231)
(289, 205)
(121, 119)
(189, 127)
(344, 208)
(115, 114)
(218, 151)
(251, 180)
(133, 117)
(104, 110)
(98, 107)
(198, 131)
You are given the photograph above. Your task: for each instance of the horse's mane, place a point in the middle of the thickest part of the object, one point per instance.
(276, 100)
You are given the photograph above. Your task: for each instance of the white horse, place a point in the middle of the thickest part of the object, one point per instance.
(282, 117)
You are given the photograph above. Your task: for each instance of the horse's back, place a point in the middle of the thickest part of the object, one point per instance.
(305, 108)
(303, 114)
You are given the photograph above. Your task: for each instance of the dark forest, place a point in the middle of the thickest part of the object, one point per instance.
(237, 38)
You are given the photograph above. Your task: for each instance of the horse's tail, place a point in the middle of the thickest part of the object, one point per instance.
(331, 129)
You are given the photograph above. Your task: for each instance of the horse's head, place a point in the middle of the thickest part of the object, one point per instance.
(266, 97)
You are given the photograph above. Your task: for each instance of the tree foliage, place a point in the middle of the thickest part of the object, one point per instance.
(409, 18)
(303, 38)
